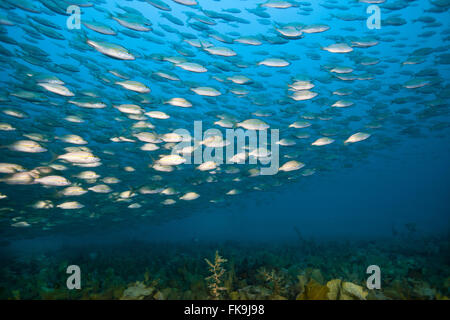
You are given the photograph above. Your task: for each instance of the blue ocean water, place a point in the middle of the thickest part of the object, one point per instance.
(310, 70)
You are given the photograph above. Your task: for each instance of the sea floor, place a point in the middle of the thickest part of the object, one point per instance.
(412, 267)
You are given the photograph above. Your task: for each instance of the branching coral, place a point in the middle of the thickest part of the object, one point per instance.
(273, 278)
(214, 280)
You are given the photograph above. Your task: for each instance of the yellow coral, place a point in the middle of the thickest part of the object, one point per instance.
(214, 280)
(314, 291)
(334, 287)
(137, 292)
(351, 291)
(340, 290)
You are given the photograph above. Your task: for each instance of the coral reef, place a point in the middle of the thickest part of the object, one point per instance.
(412, 268)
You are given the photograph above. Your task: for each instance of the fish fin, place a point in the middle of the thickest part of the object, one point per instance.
(53, 158)
(153, 159)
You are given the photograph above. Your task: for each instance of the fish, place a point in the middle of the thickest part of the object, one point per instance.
(322, 141)
(291, 166)
(99, 27)
(83, 157)
(274, 62)
(191, 66)
(70, 205)
(357, 137)
(338, 48)
(28, 146)
(110, 49)
(179, 102)
(135, 86)
(56, 181)
(253, 124)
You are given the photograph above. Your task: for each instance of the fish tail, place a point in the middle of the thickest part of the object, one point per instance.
(53, 158)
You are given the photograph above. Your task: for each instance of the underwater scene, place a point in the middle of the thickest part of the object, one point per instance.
(224, 150)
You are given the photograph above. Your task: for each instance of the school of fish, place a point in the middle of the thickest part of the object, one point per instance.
(88, 115)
